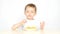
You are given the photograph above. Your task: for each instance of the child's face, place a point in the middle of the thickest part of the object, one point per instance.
(30, 12)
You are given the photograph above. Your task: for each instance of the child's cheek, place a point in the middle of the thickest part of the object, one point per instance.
(32, 15)
(27, 14)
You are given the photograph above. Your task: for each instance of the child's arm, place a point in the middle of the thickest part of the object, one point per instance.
(42, 25)
(14, 27)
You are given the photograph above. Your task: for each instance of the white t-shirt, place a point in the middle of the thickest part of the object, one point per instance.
(31, 25)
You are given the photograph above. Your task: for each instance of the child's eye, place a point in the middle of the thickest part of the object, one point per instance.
(32, 12)
(27, 11)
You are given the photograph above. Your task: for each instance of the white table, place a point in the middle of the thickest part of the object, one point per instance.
(29, 32)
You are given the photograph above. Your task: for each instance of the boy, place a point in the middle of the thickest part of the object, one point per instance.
(29, 23)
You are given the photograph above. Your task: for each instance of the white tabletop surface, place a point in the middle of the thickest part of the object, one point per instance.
(30, 32)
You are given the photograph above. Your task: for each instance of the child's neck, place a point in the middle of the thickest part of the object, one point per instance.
(30, 18)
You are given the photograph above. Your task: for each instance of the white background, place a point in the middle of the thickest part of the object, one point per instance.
(12, 11)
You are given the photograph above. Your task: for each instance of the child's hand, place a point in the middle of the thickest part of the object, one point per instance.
(15, 26)
(42, 25)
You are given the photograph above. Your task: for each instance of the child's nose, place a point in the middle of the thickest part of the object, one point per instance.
(29, 13)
